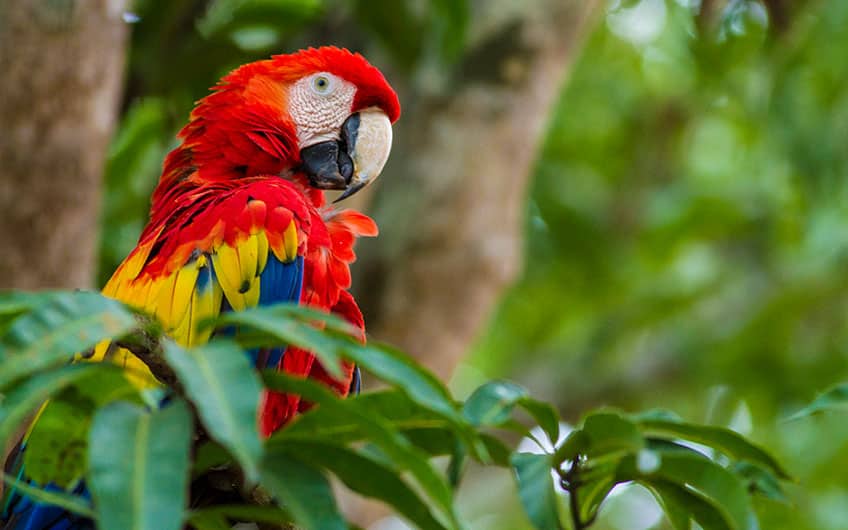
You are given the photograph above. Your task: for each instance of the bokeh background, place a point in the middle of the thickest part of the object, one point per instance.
(633, 203)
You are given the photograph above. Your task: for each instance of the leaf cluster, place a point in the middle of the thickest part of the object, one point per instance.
(190, 453)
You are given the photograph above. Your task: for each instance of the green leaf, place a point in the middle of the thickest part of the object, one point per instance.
(393, 406)
(264, 317)
(498, 451)
(208, 455)
(492, 403)
(396, 368)
(24, 399)
(58, 442)
(329, 345)
(397, 449)
(720, 487)
(56, 450)
(286, 325)
(15, 303)
(243, 513)
(223, 386)
(833, 399)
(208, 520)
(69, 502)
(681, 505)
(399, 369)
(456, 465)
(545, 415)
(303, 490)
(364, 475)
(760, 481)
(610, 432)
(139, 466)
(725, 440)
(425, 429)
(575, 443)
(58, 327)
(593, 492)
(536, 489)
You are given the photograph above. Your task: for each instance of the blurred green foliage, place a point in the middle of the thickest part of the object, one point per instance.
(684, 233)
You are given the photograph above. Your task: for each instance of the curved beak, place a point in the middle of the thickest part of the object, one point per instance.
(355, 159)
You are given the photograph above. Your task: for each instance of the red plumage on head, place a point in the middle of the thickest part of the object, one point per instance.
(243, 128)
(372, 88)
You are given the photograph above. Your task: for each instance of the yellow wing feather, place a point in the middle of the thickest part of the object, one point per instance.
(192, 293)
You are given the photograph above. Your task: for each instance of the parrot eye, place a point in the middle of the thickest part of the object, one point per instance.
(322, 84)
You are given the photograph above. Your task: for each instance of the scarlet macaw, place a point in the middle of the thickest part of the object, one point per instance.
(239, 218)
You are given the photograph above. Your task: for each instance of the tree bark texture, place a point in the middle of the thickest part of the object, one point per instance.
(451, 204)
(62, 64)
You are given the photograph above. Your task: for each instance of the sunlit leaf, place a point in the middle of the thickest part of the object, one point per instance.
(139, 466)
(833, 399)
(492, 403)
(576, 443)
(225, 389)
(15, 303)
(56, 449)
(609, 432)
(536, 489)
(725, 440)
(59, 326)
(24, 399)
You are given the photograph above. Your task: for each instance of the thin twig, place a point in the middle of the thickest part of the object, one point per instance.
(145, 345)
(571, 481)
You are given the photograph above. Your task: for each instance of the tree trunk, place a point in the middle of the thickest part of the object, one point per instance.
(451, 207)
(451, 203)
(62, 64)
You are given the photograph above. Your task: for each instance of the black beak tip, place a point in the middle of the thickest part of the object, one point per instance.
(350, 191)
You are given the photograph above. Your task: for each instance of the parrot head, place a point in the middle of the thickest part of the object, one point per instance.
(323, 113)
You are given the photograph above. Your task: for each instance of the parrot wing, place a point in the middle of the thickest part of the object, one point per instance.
(236, 250)
(228, 251)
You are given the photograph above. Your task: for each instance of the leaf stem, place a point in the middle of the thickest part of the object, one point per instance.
(571, 481)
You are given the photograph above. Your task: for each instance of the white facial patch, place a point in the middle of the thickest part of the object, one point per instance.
(319, 104)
